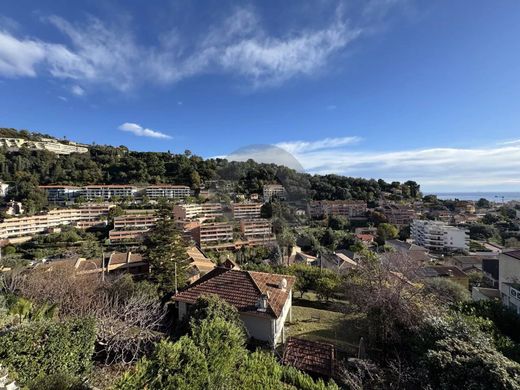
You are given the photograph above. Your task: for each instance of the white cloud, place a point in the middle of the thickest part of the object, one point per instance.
(434, 168)
(327, 143)
(512, 142)
(239, 45)
(77, 90)
(140, 131)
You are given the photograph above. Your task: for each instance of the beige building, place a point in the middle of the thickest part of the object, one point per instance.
(274, 190)
(246, 210)
(215, 232)
(27, 226)
(346, 208)
(201, 211)
(256, 228)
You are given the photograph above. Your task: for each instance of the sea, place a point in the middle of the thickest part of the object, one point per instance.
(491, 196)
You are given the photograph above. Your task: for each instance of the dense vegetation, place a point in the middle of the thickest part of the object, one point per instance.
(26, 169)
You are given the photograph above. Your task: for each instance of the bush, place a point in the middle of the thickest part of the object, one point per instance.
(38, 349)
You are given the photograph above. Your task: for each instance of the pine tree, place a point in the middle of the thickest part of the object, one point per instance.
(166, 253)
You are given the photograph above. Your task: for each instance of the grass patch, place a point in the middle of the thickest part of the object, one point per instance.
(342, 330)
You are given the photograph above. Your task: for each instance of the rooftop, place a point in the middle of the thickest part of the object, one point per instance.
(311, 356)
(515, 254)
(241, 289)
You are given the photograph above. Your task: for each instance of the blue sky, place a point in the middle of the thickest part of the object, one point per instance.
(397, 89)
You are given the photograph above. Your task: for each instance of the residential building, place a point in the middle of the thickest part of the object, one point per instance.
(274, 190)
(246, 210)
(352, 209)
(215, 232)
(490, 271)
(167, 191)
(59, 194)
(263, 300)
(128, 235)
(441, 271)
(199, 264)
(399, 215)
(509, 278)
(49, 144)
(439, 237)
(133, 221)
(256, 228)
(39, 223)
(201, 211)
(109, 191)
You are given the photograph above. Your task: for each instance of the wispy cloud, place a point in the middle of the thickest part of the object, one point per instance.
(434, 168)
(240, 45)
(309, 146)
(140, 131)
(511, 142)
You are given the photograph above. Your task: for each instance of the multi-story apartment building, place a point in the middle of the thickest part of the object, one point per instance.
(509, 279)
(197, 211)
(439, 237)
(246, 210)
(399, 215)
(108, 191)
(137, 234)
(211, 233)
(347, 208)
(135, 221)
(256, 228)
(132, 226)
(167, 191)
(51, 145)
(27, 226)
(274, 190)
(58, 194)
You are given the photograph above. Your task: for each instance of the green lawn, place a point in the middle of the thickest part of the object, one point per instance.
(309, 322)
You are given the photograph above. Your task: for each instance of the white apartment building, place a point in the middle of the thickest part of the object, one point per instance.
(509, 279)
(167, 191)
(57, 194)
(274, 190)
(106, 192)
(438, 236)
(246, 210)
(27, 226)
(197, 211)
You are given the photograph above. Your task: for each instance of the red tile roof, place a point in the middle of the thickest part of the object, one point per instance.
(311, 356)
(241, 289)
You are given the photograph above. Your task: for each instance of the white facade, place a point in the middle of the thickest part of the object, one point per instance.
(166, 191)
(509, 279)
(439, 236)
(14, 144)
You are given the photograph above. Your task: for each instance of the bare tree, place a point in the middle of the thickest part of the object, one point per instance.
(126, 328)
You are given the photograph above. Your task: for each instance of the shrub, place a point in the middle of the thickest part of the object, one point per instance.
(38, 349)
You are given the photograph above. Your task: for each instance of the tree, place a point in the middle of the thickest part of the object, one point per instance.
(387, 231)
(337, 222)
(25, 189)
(446, 291)
(483, 203)
(166, 253)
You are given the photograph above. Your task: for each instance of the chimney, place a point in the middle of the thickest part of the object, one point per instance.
(283, 284)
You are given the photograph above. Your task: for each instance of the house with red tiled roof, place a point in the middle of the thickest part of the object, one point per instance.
(263, 300)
